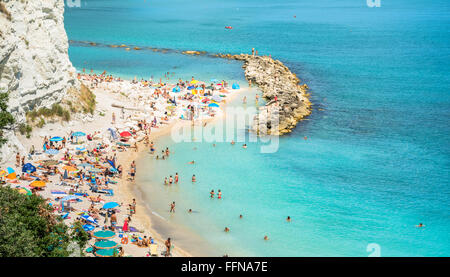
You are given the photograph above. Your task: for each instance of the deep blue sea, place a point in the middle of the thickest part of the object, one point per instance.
(376, 161)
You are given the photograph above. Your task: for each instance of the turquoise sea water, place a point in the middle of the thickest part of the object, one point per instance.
(376, 161)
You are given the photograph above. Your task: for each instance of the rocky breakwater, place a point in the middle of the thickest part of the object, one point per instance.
(287, 99)
(35, 69)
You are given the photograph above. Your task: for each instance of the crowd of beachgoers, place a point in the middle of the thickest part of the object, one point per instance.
(85, 170)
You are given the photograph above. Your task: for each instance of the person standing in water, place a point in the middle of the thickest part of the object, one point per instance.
(176, 178)
(219, 194)
(172, 207)
(193, 178)
(212, 193)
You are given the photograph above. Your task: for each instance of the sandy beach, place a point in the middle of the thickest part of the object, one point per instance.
(127, 102)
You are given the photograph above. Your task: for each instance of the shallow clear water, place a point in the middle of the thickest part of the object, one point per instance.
(376, 161)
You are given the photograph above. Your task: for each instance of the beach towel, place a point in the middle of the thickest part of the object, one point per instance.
(58, 192)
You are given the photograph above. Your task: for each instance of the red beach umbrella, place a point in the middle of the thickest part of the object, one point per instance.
(125, 134)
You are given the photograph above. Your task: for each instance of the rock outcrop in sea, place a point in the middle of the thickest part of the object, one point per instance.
(287, 100)
(34, 64)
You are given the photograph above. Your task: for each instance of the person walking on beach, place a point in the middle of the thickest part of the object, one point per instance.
(172, 207)
(113, 118)
(168, 245)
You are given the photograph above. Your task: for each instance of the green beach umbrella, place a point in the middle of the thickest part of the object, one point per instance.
(106, 252)
(104, 234)
(105, 244)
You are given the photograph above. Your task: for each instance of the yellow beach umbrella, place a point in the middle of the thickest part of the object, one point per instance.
(69, 168)
(194, 82)
(37, 184)
(3, 173)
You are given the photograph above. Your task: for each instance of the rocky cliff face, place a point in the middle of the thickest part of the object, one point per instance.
(34, 64)
(278, 116)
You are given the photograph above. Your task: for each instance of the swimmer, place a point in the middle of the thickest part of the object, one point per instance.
(212, 193)
(190, 211)
(170, 179)
(191, 162)
(420, 225)
(157, 157)
(176, 178)
(193, 178)
(288, 219)
(214, 145)
(244, 100)
(219, 194)
(227, 229)
(305, 137)
(165, 181)
(244, 146)
(266, 238)
(232, 142)
(240, 216)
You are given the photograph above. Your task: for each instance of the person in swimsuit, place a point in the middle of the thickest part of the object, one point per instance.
(172, 207)
(170, 179)
(193, 178)
(176, 178)
(266, 238)
(212, 193)
(244, 146)
(288, 219)
(219, 194)
(227, 229)
(165, 181)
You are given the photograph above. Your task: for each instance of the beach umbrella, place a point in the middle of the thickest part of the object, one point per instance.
(69, 197)
(10, 173)
(81, 149)
(88, 227)
(110, 205)
(69, 168)
(104, 234)
(56, 139)
(105, 244)
(176, 89)
(213, 105)
(52, 152)
(25, 191)
(106, 252)
(89, 218)
(78, 134)
(37, 184)
(125, 134)
(28, 167)
(190, 87)
(216, 98)
(194, 82)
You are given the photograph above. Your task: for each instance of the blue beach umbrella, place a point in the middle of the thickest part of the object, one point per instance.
(88, 227)
(176, 89)
(52, 152)
(110, 205)
(56, 139)
(78, 134)
(69, 197)
(81, 149)
(89, 218)
(214, 105)
(28, 168)
(190, 87)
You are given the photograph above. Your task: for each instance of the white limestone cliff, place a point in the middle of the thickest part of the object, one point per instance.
(34, 64)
